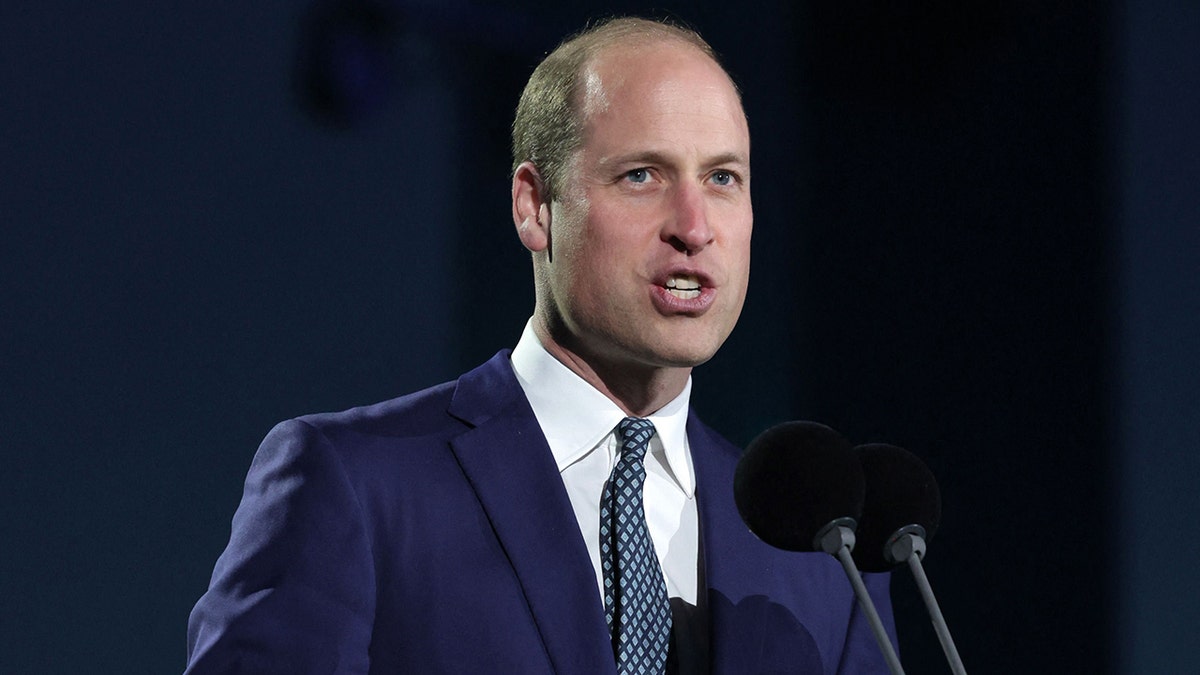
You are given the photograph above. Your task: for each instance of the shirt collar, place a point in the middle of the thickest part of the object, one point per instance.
(575, 417)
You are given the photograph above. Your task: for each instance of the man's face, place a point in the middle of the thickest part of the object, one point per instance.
(650, 234)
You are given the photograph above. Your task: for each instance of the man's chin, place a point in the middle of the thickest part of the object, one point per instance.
(686, 351)
(682, 357)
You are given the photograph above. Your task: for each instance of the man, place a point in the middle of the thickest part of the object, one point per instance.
(484, 525)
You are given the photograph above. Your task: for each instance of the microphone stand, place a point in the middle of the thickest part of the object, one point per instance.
(908, 545)
(837, 539)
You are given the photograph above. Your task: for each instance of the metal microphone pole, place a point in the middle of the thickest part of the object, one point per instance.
(837, 539)
(910, 547)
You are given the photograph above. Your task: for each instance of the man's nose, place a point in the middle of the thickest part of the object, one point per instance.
(688, 229)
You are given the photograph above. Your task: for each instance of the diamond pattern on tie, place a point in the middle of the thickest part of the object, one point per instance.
(635, 594)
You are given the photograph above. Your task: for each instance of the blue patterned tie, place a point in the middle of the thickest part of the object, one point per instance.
(635, 595)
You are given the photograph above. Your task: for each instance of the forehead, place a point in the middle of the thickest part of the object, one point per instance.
(656, 77)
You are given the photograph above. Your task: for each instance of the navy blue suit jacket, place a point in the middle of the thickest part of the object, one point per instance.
(432, 534)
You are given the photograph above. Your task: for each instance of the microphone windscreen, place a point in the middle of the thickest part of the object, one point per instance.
(901, 491)
(793, 480)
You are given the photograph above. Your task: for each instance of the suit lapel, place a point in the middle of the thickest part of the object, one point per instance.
(508, 463)
(712, 477)
(750, 632)
(738, 637)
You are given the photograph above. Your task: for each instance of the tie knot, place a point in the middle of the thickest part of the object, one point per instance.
(635, 434)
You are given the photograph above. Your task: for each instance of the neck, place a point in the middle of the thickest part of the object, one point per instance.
(638, 389)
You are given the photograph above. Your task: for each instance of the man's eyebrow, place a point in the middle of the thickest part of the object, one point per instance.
(662, 158)
(728, 158)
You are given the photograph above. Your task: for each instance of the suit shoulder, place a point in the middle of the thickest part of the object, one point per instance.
(441, 410)
(417, 414)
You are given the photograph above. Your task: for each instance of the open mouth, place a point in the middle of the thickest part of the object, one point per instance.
(683, 286)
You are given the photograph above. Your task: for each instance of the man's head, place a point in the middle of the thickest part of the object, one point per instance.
(641, 233)
(548, 126)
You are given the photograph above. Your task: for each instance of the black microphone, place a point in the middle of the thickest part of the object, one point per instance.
(795, 482)
(799, 486)
(901, 497)
(900, 515)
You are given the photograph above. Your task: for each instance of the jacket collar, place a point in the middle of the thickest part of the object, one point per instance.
(509, 465)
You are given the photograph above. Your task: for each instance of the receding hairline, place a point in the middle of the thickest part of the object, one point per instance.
(636, 33)
(589, 76)
(562, 76)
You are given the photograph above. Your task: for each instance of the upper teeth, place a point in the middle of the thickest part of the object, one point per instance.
(683, 282)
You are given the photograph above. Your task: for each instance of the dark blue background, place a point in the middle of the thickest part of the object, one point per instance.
(977, 236)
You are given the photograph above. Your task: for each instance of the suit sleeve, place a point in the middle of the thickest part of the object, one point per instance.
(862, 654)
(294, 590)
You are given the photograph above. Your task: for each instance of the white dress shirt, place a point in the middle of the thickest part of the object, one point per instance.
(580, 425)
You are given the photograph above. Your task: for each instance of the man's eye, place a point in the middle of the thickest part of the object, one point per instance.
(722, 178)
(637, 176)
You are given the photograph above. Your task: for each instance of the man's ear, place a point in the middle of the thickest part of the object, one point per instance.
(531, 208)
